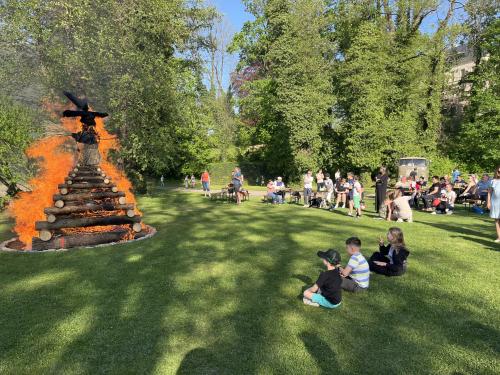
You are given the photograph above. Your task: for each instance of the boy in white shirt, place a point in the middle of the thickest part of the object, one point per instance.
(356, 198)
(329, 189)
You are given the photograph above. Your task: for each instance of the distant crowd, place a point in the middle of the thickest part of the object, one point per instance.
(437, 196)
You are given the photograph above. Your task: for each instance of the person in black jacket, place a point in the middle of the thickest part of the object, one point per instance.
(391, 259)
(381, 181)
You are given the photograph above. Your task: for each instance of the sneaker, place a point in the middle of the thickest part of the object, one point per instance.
(400, 220)
(433, 213)
(335, 207)
(410, 220)
(309, 302)
(349, 214)
(448, 212)
(497, 240)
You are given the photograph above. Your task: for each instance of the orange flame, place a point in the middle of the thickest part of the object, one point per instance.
(55, 163)
(108, 143)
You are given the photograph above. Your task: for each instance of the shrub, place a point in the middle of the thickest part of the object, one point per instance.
(441, 165)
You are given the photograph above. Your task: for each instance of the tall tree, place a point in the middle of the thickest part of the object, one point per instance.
(290, 100)
(476, 143)
(140, 60)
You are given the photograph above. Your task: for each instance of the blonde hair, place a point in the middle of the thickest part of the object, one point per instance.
(398, 240)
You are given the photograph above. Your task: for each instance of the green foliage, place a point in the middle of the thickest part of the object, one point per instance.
(476, 144)
(288, 104)
(220, 173)
(17, 131)
(366, 179)
(441, 165)
(342, 84)
(139, 60)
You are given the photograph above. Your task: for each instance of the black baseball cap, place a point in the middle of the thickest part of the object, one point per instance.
(331, 256)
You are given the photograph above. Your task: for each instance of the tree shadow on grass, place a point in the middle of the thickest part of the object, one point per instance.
(148, 301)
(474, 233)
(321, 352)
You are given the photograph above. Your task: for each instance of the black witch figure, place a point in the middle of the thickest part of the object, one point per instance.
(88, 136)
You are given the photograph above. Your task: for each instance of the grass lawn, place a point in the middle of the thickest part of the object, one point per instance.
(216, 292)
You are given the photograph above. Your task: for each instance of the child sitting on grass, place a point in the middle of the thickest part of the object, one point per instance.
(327, 291)
(356, 275)
(390, 260)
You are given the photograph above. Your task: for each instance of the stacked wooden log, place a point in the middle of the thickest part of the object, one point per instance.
(87, 200)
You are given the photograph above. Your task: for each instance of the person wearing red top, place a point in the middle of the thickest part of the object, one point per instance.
(205, 181)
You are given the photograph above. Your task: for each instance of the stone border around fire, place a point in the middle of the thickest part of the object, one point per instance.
(4, 248)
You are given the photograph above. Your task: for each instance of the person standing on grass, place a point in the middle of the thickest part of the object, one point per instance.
(381, 181)
(193, 181)
(356, 275)
(349, 196)
(327, 291)
(162, 181)
(205, 182)
(186, 182)
(308, 186)
(494, 201)
(237, 181)
(329, 190)
(357, 190)
(320, 178)
(390, 260)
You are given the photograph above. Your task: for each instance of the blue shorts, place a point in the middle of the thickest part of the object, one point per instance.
(322, 301)
(206, 186)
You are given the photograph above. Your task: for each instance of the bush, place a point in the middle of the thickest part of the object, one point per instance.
(220, 173)
(366, 179)
(441, 166)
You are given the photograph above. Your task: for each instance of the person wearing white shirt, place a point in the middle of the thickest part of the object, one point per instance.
(329, 189)
(308, 186)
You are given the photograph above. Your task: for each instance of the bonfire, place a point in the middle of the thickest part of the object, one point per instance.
(79, 197)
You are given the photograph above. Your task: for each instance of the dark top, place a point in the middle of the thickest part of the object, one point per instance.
(86, 117)
(330, 283)
(381, 181)
(398, 266)
(413, 174)
(339, 186)
(433, 186)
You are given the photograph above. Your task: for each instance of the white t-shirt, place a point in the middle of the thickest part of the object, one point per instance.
(450, 197)
(308, 180)
(355, 192)
(329, 185)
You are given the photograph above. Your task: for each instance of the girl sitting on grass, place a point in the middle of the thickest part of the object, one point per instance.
(390, 260)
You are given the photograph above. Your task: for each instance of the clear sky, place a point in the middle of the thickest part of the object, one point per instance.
(234, 12)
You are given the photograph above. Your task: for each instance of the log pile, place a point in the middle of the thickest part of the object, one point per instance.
(89, 210)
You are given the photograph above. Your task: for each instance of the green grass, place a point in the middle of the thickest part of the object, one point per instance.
(215, 292)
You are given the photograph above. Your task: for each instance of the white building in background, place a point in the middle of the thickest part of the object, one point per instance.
(463, 63)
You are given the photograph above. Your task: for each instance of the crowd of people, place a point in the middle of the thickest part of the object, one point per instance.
(437, 196)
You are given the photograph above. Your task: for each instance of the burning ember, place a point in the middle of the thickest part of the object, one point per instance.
(78, 198)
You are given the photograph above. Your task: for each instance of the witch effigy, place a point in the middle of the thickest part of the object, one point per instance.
(88, 136)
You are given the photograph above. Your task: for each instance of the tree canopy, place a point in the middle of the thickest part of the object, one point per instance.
(319, 83)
